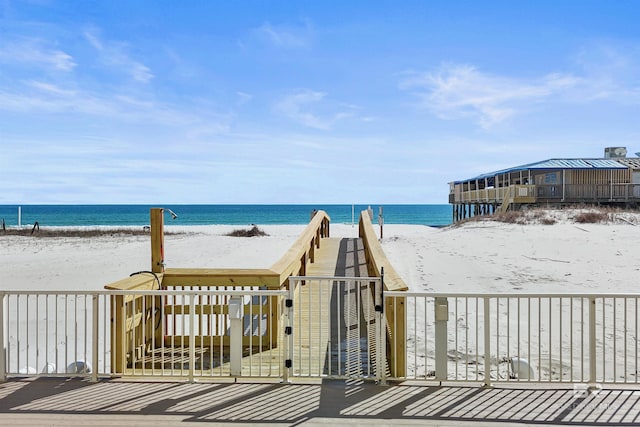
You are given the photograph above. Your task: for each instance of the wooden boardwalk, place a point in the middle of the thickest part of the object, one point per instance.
(339, 257)
(333, 318)
(326, 316)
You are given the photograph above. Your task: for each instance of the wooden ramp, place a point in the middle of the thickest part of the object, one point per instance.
(334, 319)
(339, 257)
(326, 317)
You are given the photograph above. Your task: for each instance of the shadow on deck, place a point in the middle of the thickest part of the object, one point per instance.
(56, 401)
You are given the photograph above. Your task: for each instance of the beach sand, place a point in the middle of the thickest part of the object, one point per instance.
(496, 257)
(482, 256)
(90, 263)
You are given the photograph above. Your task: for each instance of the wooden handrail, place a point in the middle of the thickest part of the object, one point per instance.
(376, 258)
(220, 277)
(294, 261)
(394, 309)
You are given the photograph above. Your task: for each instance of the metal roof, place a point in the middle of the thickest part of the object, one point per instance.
(556, 164)
(632, 162)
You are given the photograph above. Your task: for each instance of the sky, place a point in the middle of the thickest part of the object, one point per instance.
(215, 102)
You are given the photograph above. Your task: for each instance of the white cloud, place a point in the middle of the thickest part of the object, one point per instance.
(302, 105)
(460, 91)
(50, 88)
(284, 37)
(36, 51)
(243, 98)
(34, 97)
(115, 55)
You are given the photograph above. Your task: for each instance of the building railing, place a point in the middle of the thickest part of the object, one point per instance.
(544, 192)
(517, 194)
(587, 193)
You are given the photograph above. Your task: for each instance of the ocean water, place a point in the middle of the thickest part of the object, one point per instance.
(124, 215)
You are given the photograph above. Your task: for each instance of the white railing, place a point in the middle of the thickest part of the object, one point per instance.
(191, 334)
(54, 334)
(570, 338)
(321, 327)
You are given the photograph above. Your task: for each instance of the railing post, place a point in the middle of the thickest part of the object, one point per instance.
(3, 338)
(288, 331)
(381, 332)
(592, 340)
(192, 335)
(441, 314)
(235, 350)
(487, 342)
(96, 339)
(119, 347)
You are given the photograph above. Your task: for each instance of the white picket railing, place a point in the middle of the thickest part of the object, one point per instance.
(54, 334)
(171, 333)
(572, 338)
(551, 338)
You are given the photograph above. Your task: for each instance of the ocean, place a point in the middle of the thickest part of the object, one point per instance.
(126, 215)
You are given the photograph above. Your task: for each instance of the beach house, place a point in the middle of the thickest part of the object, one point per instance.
(611, 180)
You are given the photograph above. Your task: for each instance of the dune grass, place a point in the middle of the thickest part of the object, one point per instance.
(45, 232)
(544, 216)
(252, 232)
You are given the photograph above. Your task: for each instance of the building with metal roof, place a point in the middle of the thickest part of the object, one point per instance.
(552, 182)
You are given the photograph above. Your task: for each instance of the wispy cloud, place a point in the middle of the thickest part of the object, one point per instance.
(243, 98)
(302, 106)
(115, 55)
(285, 36)
(462, 91)
(34, 97)
(611, 70)
(35, 51)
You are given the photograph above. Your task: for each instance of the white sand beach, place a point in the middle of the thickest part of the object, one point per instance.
(90, 263)
(496, 257)
(482, 256)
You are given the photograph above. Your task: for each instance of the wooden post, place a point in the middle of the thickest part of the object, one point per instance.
(118, 334)
(397, 336)
(273, 321)
(312, 252)
(157, 240)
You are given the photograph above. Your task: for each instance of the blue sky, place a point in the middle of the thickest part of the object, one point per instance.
(304, 101)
